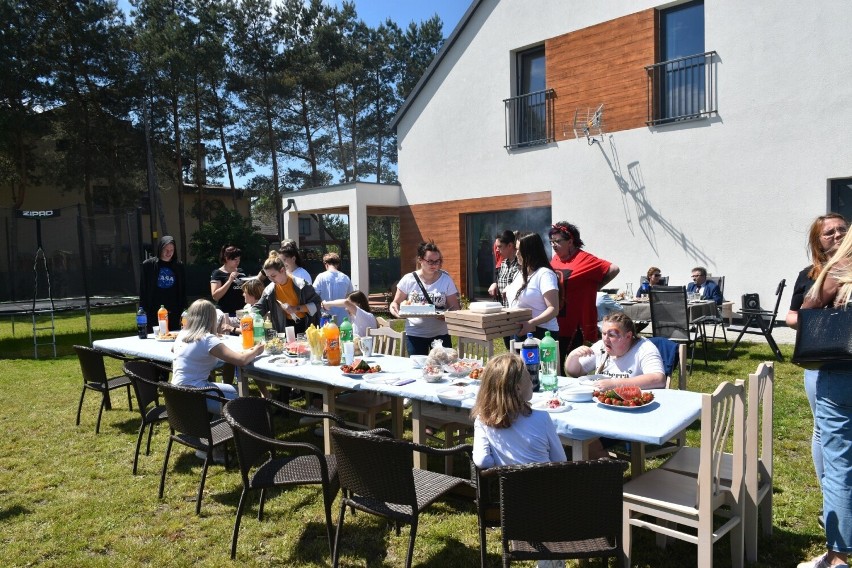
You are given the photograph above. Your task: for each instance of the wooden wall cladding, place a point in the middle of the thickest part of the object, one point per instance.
(604, 63)
(444, 223)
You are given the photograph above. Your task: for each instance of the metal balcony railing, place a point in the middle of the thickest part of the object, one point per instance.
(529, 119)
(682, 89)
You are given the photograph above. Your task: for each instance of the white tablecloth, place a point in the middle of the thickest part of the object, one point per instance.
(671, 412)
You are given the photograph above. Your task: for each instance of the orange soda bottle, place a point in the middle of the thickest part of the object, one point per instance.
(331, 333)
(247, 330)
(163, 320)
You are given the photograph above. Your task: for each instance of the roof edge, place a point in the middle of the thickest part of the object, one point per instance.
(451, 40)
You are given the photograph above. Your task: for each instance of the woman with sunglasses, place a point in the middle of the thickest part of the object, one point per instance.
(623, 356)
(655, 276)
(439, 289)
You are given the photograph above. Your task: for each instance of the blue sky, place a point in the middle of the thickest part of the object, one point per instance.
(403, 12)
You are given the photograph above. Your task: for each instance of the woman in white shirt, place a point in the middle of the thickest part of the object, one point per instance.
(535, 287)
(198, 351)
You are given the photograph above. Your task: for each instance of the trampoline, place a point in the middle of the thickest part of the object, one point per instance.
(50, 306)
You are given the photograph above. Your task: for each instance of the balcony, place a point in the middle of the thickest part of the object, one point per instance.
(529, 119)
(682, 89)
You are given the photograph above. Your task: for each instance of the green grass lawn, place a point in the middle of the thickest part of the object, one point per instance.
(67, 497)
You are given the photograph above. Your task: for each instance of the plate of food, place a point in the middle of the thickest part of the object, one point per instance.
(288, 361)
(379, 378)
(462, 367)
(359, 368)
(169, 336)
(433, 374)
(453, 393)
(624, 398)
(551, 404)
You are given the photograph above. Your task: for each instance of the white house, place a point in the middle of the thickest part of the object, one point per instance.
(720, 160)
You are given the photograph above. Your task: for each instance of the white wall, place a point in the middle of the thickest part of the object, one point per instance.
(735, 193)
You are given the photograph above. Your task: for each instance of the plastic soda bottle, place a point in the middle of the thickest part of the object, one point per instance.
(324, 319)
(530, 355)
(183, 319)
(345, 330)
(163, 320)
(247, 329)
(268, 332)
(331, 333)
(142, 323)
(257, 322)
(548, 362)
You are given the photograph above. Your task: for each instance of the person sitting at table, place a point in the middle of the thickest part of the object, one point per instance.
(506, 430)
(708, 289)
(198, 351)
(357, 306)
(606, 305)
(622, 355)
(655, 276)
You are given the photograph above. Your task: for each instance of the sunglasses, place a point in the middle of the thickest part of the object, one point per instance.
(433, 262)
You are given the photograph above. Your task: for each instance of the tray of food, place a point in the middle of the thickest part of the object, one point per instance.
(624, 398)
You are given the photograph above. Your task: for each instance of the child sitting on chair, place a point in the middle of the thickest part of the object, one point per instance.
(506, 430)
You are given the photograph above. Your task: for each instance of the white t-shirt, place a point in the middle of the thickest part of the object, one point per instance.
(540, 281)
(193, 362)
(333, 285)
(530, 439)
(438, 292)
(303, 274)
(362, 320)
(642, 358)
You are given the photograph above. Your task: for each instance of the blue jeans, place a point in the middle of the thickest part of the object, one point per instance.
(228, 391)
(816, 446)
(834, 419)
(422, 345)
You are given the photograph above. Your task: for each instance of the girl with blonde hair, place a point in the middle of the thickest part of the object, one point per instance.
(506, 429)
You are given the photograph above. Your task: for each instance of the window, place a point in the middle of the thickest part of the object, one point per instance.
(529, 113)
(481, 230)
(841, 197)
(681, 86)
(304, 226)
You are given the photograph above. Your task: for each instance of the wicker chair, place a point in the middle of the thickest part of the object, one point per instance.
(191, 426)
(145, 377)
(539, 505)
(95, 378)
(395, 490)
(487, 507)
(262, 464)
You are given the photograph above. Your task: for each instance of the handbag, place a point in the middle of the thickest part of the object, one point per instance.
(825, 336)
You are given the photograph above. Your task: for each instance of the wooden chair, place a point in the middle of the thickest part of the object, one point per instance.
(540, 522)
(382, 322)
(661, 499)
(388, 341)
(267, 462)
(377, 477)
(759, 322)
(482, 349)
(146, 376)
(670, 318)
(759, 457)
(95, 378)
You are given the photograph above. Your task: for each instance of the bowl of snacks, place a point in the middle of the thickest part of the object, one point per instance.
(462, 367)
(274, 346)
(433, 374)
(418, 360)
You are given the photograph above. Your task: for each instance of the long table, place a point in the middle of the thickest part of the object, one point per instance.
(671, 412)
(641, 311)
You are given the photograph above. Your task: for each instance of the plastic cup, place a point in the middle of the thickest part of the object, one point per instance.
(349, 352)
(291, 333)
(156, 329)
(367, 346)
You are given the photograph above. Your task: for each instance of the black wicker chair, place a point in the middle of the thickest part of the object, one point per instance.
(263, 467)
(191, 426)
(487, 507)
(145, 377)
(95, 378)
(377, 476)
(561, 510)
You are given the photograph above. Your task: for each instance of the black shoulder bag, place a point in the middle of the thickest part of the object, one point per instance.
(824, 336)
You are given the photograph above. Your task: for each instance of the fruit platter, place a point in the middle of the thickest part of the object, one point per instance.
(360, 367)
(462, 367)
(626, 397)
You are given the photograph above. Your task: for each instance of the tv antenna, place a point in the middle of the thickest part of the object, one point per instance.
(588, 122)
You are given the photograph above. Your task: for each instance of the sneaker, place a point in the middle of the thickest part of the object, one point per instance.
(821, 562)
(309, 420)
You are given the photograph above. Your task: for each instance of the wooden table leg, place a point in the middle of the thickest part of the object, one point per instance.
(418, 428)
(637, 459)
(242, 381)
(329, 407)
(397, 416)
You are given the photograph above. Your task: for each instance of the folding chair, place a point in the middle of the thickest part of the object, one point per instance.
(670, 318)
(755, 322)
